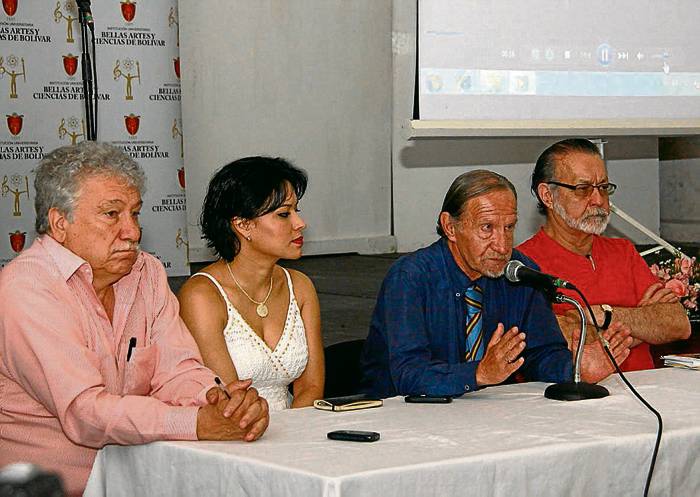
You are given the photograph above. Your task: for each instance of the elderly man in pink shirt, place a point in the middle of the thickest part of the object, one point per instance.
(92, 350)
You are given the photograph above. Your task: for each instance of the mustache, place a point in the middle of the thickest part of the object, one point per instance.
(596, 212)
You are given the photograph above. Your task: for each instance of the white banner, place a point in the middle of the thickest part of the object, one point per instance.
(138, 80)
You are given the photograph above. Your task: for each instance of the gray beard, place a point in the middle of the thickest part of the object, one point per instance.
(593, 221)
(492, 274)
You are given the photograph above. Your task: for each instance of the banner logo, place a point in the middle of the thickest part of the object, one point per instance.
(12, 185)
(14, 123)
(70, 64)
(10, 7)
(17, 240)
(74, 128)
(128, 9)
(70, 16)
(173, 21)
(12, 68)
(181, 177)
(127, 65)
(132, 123)
(177, 133)
(182, 242)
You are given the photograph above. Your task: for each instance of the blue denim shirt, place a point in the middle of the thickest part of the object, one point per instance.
(416, 342)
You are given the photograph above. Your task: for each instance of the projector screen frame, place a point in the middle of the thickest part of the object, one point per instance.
(415, 129)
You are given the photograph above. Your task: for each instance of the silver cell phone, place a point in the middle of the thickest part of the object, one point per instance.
(353, 435)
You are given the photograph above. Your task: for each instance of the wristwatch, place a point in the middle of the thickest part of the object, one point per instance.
(608, 310)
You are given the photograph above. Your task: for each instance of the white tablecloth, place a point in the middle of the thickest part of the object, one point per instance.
(500, 441)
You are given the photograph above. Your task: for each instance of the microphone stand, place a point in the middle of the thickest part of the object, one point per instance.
(577, 389)
(88, 71)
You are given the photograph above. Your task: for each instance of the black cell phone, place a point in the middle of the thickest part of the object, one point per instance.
(353, 435)
(428, 399)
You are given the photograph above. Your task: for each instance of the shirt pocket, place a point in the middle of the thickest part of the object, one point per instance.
(140, 370)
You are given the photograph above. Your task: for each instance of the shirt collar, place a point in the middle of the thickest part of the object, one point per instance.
(458, 279)
(69, 262)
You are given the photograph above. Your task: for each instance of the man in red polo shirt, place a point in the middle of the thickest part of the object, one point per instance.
(571, 184)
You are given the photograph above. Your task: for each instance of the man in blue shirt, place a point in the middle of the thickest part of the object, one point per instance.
(422, 334)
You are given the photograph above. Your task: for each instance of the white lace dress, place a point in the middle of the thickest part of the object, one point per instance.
(271, 370)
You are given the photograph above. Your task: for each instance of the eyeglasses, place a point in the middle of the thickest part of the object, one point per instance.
(585, 190)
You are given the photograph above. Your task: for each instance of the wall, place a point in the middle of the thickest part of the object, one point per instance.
(680, 188)
(422, 170)
(313, 83)
(306, 80)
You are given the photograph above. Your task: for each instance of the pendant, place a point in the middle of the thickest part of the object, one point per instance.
(261, 310)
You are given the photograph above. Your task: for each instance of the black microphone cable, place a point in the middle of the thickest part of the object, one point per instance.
(660, 422)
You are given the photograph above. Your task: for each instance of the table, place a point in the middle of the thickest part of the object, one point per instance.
(500, 441)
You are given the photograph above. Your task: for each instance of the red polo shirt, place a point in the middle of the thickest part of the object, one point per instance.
(614, 274)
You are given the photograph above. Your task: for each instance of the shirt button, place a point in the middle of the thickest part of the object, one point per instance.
(466, 388)
(458, 294)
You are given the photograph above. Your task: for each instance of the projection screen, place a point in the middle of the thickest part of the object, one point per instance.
(586, 60)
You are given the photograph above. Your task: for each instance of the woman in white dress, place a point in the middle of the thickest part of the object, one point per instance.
(250, 317)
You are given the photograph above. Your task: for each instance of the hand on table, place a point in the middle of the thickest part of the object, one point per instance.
(245, 416)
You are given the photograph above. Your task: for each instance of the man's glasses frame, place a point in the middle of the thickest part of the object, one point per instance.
(585, 190)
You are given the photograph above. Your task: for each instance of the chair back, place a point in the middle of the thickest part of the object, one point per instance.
(343, 368)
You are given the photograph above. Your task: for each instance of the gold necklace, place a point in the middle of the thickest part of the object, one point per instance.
(261, 309)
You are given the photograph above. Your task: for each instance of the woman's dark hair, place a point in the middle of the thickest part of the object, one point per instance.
(470, 185)
(246, 188)
(547, 161)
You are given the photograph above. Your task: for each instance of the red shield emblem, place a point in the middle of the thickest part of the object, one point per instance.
(17, 240)
(14, 123)
(176, 64)
(181, 177)
(10, 7)
(70, 64)
(132, 123)
(128, 10)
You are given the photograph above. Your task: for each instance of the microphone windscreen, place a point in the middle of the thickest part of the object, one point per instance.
(511, 270)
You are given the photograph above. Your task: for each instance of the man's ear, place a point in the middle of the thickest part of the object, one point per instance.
(448, 225)
(58, 223)
(545, 195)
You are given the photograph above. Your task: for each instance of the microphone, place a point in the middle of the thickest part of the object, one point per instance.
(84, 8)
(517, 272)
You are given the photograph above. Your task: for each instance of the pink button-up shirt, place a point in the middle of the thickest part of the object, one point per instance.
(66, 386)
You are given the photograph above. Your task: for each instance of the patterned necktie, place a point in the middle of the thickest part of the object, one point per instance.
(475, 336)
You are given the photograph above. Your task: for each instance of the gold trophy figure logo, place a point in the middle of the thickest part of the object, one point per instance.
(13, 64)
(180, 241)
(128, 66)
(71, 15)
(178, 133)
(13, 186)
(74, 128)
(173, 21)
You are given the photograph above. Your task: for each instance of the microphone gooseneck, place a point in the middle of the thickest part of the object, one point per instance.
(517, 272)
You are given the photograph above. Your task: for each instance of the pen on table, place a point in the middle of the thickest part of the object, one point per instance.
(132, 344)
(221, 386)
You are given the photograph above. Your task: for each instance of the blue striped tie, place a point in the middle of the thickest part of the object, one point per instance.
(475, 336)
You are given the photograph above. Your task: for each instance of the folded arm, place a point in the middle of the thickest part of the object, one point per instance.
(658, 318)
